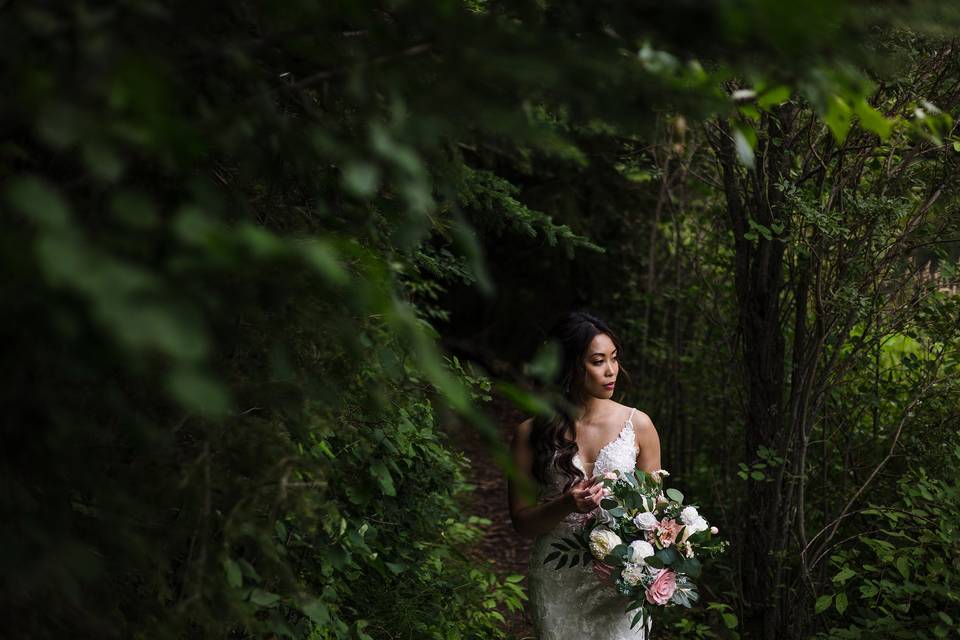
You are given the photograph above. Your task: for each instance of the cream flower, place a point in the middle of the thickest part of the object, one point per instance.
(694, 522)
(632, 573)
(602, 542)
(640, 550)
(646, 521)
(659, 474)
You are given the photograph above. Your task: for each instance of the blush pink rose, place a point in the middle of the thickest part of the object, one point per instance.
(661, 589)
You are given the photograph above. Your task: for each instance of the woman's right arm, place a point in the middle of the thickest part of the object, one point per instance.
(529, 518)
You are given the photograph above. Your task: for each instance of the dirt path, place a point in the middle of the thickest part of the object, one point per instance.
(501, 543)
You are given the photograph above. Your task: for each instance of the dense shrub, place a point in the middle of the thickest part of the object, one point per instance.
(901, 577)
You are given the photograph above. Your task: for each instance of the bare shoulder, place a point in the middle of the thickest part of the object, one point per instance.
(642, 422)
(643, 428)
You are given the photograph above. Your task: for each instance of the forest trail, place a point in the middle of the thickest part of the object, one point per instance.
(500, 544)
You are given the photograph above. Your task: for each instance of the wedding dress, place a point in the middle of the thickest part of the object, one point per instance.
(572, 603)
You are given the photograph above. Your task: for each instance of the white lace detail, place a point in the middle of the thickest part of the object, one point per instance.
(571, 604)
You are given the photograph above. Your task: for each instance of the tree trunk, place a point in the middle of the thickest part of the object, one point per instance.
(758, 279)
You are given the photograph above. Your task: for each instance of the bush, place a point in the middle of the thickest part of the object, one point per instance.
(902, 579)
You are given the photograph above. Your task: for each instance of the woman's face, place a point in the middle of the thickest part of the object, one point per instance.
(601, 367)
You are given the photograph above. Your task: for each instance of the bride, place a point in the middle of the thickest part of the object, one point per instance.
(562, 456)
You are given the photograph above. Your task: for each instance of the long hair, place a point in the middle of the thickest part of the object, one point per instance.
(553, 438)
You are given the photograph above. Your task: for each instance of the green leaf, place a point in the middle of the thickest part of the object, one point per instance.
(234, 575)
(361, 178)
(668, 555)
(872, 120)
(382, 474)
(823, 603)
(198, 392)
(675, 495)
(635, 604)
(845, 574)
(837, 118)
(317, 611)
(38, 200)
(264, 598)
(841, 602)
(743, 148)
(903, 566)
(248, 570)
(868, 590)
(730, 620)
(774, 96)
(324, 258)
(749, 111)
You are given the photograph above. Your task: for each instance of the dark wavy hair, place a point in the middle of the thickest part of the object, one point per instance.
(553, 437)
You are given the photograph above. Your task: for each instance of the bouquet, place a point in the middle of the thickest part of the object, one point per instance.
(651, 539)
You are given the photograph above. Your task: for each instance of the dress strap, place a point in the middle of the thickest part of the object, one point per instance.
(632, 409)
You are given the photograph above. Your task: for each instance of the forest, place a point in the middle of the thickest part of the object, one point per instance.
(278, 278)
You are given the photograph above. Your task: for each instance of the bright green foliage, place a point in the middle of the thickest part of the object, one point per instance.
(902, 577)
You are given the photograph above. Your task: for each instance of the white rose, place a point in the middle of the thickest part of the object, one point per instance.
(640, 550)
(699, 524)
(696, 524)
(632, 573)
(689, 514)
(646, 521)
(602, 542)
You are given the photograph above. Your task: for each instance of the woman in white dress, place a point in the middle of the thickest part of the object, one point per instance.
(561, 457)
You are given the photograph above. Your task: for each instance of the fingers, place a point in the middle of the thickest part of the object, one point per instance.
(597, 494)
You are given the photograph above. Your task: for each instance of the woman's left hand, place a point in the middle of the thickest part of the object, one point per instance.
(604, 572)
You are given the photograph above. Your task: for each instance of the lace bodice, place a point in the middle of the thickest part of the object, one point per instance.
(619, 453)
(572, 603)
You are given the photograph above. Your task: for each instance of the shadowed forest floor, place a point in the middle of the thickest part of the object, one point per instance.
(500, 544)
